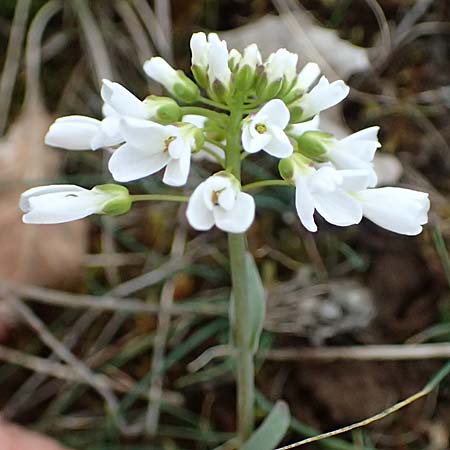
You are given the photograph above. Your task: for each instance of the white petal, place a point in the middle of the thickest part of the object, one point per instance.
(60, 207)
(199, 50)
(343, 158)
(198, 215)
(307, 76)
(355, 180)
(277, 113)
(129, 163)
(323, 96)
(239, 218)
(72, 132)
(24, 203)
(367, 134)
(253, 144)
(194, 119)
(144, 134)
(338, 208)
(178, 147)
(161, 71)
(297, 129)
(227, 198)
(304, 204)
(279, 145)
(122, 100)
(399, 210)
(177, 170)
(218, 61)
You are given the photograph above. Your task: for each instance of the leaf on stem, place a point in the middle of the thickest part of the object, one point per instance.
(257, 306)
(272, 430)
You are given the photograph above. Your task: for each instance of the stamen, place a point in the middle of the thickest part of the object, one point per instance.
(261, 128)
(167, 142)
(215, 197)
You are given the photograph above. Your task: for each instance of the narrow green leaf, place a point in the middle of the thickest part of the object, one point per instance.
(272, 430)
(257, 306)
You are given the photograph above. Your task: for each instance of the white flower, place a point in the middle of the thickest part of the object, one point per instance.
(218, 68)
(322, 96)
(399, 210)
(234, 58)
(251, 57)
(306, 78)
(211, 54)
(61, 203)
(175, 81)
(264, 130)
(149, 147)
(161, 71)
(356, 151)
(82, 133)
(122, 101)
(199, 49)
(219, 201)
(281, 64)
(324, 190)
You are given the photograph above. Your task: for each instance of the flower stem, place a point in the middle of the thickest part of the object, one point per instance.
(237, 250)
(210, 102)
(264, 183)
(198, 110)
(159, 197)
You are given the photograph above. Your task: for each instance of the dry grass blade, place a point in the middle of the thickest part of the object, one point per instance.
(12, 59)
(136, 30)
(159, 346)
(154, 28)
(361, 353)
(95, 381)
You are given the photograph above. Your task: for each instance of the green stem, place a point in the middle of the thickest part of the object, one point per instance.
(264, 183)
(159, 197)
(214, 104)
(237, 250)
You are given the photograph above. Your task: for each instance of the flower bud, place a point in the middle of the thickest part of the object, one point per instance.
(164, 110)
(175, 81)
(314, 144)
(119, 200)
(246, 73)
(234, 59)
(286, 168)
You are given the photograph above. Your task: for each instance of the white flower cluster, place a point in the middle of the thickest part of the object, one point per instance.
(277, 110)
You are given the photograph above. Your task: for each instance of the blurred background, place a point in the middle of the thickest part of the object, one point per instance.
(104, 322)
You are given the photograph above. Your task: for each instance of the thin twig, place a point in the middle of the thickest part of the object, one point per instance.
(404, 352)
(105, 302)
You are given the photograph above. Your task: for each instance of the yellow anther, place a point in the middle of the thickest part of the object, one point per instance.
(167, 142)
(261, 128)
